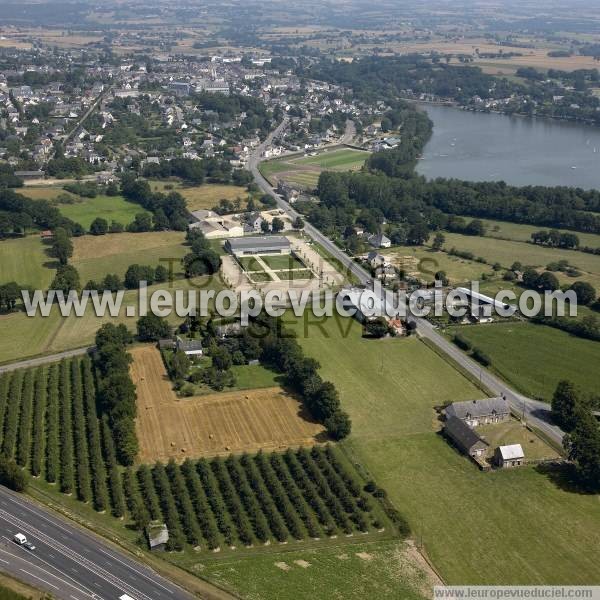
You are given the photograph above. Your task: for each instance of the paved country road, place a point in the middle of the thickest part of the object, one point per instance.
(74, 564)
(535, 412)
(43, 360)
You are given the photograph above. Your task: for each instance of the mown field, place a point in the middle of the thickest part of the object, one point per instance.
(204, 196)
(534, 358)
(111, 208)
(424, 263)
(96, 256)
(389, 388)
(522, 233)
(25, 261)
(506, 252)
(338, 160)
(23, 337)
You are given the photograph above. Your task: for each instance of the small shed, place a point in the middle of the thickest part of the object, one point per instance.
(158, 536)
(509, 456)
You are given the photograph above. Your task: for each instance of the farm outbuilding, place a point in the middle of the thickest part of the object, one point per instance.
(509, 456)
(267, 244)
(465, 438)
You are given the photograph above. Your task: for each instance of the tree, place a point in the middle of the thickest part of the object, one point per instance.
(180, 365)
(585, 292)
(135, 274)
(438, 241)
(566, 405)
(12, 476)
(548, 281)
(66, 279)
(583, 447)
(338, 425)
(62, 246)
(151, 328)
(530, 278)
(377, 327)
(277, 225)
(298, 223)
(99, 226)
(418, 234)
(221, 358)
(264, 226)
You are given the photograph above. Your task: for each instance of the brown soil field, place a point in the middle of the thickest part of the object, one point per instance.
(220, 423)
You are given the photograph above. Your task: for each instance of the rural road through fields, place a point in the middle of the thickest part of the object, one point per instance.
(42, 360)
(535, 412)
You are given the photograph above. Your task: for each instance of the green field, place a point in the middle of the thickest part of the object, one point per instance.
(204, 196)
(506, 252)
(22, 336)
(248, 377)
(111, 208)
(282, 262)
(523, 526)
(298, 275)
(522, 233)
(376, 569)
(534, 358)
(338, 160)
(25, 261)
(249, 263)
(424, 263)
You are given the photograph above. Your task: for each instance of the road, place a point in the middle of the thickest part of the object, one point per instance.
(69, 562)
(536, 413)
(43, 360)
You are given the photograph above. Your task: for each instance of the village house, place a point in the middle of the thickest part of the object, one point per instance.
(479, 412)
(379, 240)
(507, 457)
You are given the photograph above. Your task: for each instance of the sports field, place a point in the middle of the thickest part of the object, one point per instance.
(339, 160)
(222, 423)
(522, 524)
(534, 358)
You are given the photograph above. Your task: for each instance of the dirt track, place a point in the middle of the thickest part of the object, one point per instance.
(220, 423)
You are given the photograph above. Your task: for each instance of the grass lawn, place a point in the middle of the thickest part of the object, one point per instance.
(282, 262)
(204, 196)
(249, 263)
(96, 256)
(45, 192)
(249, 377)
(376, 569)
(260, 277)
(534, 358)
(111, 208)
(295, 275)
(495, 528)
(339, 160)
(513, 432)
(506, 252)
(424, 263)
(23, 337)
(25, 261)
(522, 233)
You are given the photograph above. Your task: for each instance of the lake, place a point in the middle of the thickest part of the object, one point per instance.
(519, 150)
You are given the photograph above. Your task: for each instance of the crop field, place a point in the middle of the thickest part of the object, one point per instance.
(204, 196)
(506, 252)
(522, 233)
(111, 208)
(96, 256)
(534, 358)
(213, 424)
(424, 263)
(389, 388)
(45, 192)
(25, 261)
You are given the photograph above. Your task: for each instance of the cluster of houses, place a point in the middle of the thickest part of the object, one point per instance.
(215, 226)
(460, 427)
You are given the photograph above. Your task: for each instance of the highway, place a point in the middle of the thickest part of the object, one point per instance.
(536, 413)
(71, 563)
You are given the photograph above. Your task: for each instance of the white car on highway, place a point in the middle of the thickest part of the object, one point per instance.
(20, 539)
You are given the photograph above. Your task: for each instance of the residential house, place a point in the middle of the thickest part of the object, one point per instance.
(480, 412)
(379, 240)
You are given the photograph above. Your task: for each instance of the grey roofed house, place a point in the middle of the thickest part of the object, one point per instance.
(379, 240)
(479, 412)
(274, 244)
(465, 438)
(189, 347)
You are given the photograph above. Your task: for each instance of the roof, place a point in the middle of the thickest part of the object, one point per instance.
(483, 298)
(259, 243)
(158, 534)
(511, 452)
(478, 408)
(188, 345)
(460, 432)
(364, 301)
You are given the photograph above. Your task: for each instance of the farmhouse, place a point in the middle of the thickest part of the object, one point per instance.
(189, 347)
(275, 244)
(379, 241)
(479, 412)
(465, 438)
(215, 226)
(509, 456)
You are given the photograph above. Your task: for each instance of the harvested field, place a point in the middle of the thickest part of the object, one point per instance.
(220, 423)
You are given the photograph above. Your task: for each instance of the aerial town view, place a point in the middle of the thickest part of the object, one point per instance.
(299, 301)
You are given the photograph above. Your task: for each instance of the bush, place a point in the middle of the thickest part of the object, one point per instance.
(461, 342)
(12, 476)
(481, 357)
